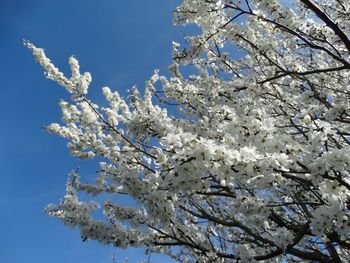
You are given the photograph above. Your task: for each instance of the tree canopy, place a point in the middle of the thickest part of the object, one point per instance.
(247, 160)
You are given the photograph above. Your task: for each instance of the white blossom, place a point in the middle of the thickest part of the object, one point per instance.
(246, 160)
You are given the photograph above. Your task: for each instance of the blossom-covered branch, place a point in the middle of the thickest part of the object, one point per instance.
(253, 165)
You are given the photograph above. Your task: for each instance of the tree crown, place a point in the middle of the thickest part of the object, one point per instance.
(254, 163)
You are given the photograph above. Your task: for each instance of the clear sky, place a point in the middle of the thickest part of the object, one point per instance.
(120, 43)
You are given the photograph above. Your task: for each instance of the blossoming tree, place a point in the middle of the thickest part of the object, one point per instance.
(254, 163)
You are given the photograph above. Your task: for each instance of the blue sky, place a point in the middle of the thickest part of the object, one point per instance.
(120, 43)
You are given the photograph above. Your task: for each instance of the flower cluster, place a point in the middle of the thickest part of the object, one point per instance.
(251, 165)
